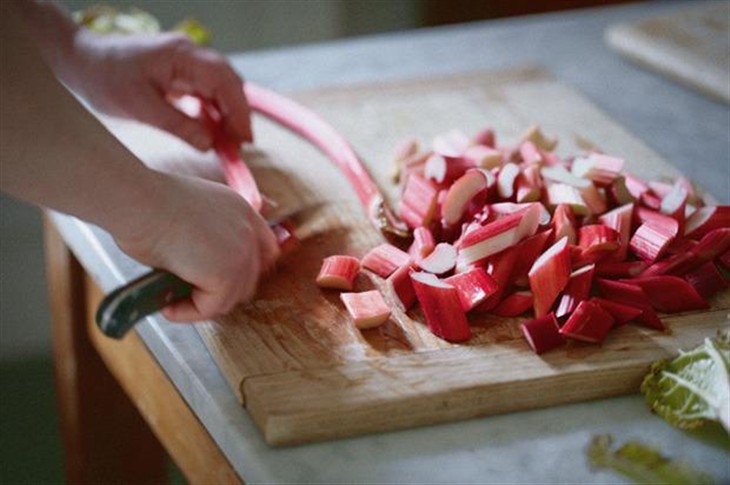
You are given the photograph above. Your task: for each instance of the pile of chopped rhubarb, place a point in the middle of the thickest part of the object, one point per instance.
(578, 246)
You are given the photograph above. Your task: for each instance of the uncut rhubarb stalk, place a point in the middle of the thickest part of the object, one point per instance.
(367, 309)
(313, 128)
(338, 272)
(441, 306)
(549, 275)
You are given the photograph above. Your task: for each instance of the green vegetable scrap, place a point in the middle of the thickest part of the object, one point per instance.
(641, 463)
(104, 19)
(694, 387)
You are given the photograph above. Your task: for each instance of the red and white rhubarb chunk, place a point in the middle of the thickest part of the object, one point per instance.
(543, 333)
(514, 305)
(367, 309)
(441, 259)
(401, 287)
(423, 243)
(418, 201)
(441, 306)
(338, 272)
(549, 275)
(589, 323)
(499, 235)
(384, 259)
(577, 290)
(506, 180)
(461, 192)
(650, 240)
(706, 219)
(620, 219)
(473, 287)
(670, 294)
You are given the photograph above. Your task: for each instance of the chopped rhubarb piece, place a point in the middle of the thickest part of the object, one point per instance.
(712, 245)
(635, 186)
(650, 240)
(681, 245)
(418, 202)
(620, 312)
(674, 205)
(598, 240)
(367, 309)
(559, 174)
(594, 199)
(530, 153)
(577, 290)
(338, 272)
(536, 136)
(620, 219)
(441, 259)
(618, 194)
(500, 268)
(599, 168)
(529, 250)
(724, 259)
(443, 170)
(706, 219)
(285, 237)
(632, 295)
(707, 280)
(549, 275)
(660, 189)
(441, 306)
(542, 334)
(481, 156)
(450, 144)
(651, 201)
(473, 287)
(620, 269)
(563, 223)
(589, 323)
(401, 287)
(645, 215)
(506, 180)
(485, 137)
(567, 194)
(423, 243)
(670, 294)
(461, 192)
(501, 209)
(499, 235)
(384, 259)
(529, 185)
(514, 305)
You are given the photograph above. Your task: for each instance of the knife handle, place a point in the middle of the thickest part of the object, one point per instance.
(125, 306)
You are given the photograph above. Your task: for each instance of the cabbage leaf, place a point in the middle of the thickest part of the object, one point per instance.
(694, 387)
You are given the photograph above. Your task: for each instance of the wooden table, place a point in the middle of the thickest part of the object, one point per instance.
(165, 375)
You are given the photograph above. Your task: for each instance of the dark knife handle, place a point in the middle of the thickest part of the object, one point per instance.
(150, 293)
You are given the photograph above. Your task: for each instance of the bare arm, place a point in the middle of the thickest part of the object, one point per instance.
(55, 154)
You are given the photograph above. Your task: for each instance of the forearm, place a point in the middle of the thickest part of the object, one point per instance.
(53, 152)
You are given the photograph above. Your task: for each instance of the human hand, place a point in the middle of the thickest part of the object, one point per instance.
(133, 77)
(207, 235)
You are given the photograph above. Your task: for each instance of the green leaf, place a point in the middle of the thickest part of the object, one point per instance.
(641, 463)
(195, 30)
(694, 387)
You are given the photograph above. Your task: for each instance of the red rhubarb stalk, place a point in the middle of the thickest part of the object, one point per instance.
(632, 295)
(549, 275)
(321, 134)
(401, 287)
(441, 306)
(473, 287)
(706, 219)
(577, 290)
(621, 313)
(707, 280)
(514, 305)
(670, 294)
(542, 334)
(589, 323)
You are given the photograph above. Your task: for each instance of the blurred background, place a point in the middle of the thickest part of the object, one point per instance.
(28, 435)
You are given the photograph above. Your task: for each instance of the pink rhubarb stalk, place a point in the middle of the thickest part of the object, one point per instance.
(338, 272)
(384, 259)
(441, 306)
(441, 259)
(367, 309)
(549, 275)
(473, 287)
(514, 304)
(401, 287)
(542, 334)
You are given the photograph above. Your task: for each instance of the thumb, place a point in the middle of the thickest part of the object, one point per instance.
(160, 113)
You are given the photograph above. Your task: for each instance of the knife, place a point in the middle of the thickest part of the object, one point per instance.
(121, 309)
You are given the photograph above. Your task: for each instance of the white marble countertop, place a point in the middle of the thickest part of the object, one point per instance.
(540, 446)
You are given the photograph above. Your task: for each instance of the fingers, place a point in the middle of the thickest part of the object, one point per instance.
(159, 113)
(209, 74)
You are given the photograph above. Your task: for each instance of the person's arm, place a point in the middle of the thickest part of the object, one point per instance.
(55, 154)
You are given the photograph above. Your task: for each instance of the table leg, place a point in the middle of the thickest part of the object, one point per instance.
(105, 439)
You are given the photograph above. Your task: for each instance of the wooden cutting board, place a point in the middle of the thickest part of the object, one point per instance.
(691, 45)
(305, 373)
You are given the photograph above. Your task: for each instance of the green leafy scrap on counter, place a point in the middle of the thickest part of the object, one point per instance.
(105, 19)
(641, 463)
(694, 387)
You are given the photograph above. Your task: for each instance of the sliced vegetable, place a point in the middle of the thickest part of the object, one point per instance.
(338, 272)
(367, 309)
(441, 306)
(384, 259)
(543, 333)
(549, 275)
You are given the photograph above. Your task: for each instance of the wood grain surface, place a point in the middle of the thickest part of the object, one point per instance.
(298, 364)
(691, 45)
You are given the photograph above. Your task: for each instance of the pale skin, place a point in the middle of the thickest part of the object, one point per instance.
(56, 154)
